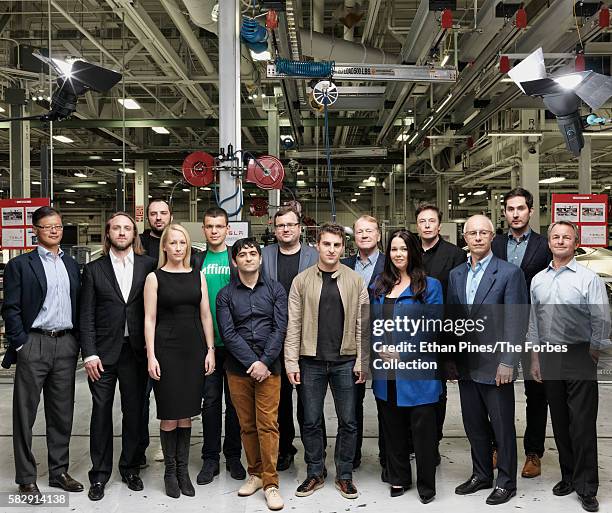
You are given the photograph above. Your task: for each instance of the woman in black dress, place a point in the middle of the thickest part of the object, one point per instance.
(180, 350)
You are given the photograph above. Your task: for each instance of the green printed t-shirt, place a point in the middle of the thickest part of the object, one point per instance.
(216, 268)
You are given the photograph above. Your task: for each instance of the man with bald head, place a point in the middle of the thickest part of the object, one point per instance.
(487, 374)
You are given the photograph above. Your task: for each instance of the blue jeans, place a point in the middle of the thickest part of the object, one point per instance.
(315, 376)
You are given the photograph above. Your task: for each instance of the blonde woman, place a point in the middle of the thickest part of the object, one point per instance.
(180, 350)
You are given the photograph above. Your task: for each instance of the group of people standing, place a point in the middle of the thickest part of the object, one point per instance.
(252, 324)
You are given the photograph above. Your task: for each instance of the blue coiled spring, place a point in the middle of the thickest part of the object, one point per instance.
(305, 68)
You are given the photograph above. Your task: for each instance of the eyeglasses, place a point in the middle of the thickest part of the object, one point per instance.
(287, 225)
(50, 227)
(477, 233)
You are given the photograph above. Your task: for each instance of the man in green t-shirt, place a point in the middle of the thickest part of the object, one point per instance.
(216, 264)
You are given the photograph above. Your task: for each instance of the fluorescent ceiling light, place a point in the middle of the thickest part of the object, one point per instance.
(372, 178)
(252, 194)
(479, 193)
(301, 183)
(116, 160)
(186, 189)
(569, 81)
(403, 137)
(160, 130)
(462, 200)
(80, 175)
(2, 109)
(300, 173)
(127, 170)
(149, 173)
(36, 182)
(168, 181)
(553, 179)
(357, 193)
(429, 120)
(413, 138)
(205, 188)
(70, 202)
(446, 100)
(129, 103)
(353, 200)
(69, 190)
(95, 157)
(445, 59)
(63, 139)
(102, 182)
(362, 187)
(506, 79)
(514, 134)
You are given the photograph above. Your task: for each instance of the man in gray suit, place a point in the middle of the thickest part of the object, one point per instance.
(282, 262)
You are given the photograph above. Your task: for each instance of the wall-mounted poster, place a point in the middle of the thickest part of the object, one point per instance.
(588, 211)
(16, 222)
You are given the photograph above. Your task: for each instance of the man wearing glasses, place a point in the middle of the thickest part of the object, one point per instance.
(40, 310)
(486, 385)
(283, 262)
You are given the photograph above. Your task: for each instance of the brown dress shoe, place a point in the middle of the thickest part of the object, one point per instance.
(532, 467)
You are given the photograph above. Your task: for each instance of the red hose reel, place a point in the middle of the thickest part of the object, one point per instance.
(267, 172)
(199, 169)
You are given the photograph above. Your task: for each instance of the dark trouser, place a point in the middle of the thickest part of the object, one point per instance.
(144, 432)
(300, 419)
(257, 407)
(286, 427)
(315, 376)
(132, 377)
(573, 411)
(44, 364)
(536, 411)
(484, 407)
(212, 414)
(360, 391)
(421, 422)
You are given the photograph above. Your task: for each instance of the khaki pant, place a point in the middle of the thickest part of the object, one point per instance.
(257, 408)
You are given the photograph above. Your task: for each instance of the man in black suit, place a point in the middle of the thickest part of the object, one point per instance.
(528, 250)
(113, 348)
(369, 262)
(41, 290)
(439, 258)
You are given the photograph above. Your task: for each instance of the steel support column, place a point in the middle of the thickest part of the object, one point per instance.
(584, 168)
(274, 150)
(19, 150)
(120, 196)
(230, 189)
(141, 192)
(530, 170)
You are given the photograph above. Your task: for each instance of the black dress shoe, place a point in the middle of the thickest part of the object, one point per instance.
(133, 481)
(426, 499)
(96, 491)
(210, 469)
(235, 468)
(283, 462)
(562, 488)
(30, 494)
(500, 496)
(66, 483)
(473, 484)
(589, 503)
(398, 491)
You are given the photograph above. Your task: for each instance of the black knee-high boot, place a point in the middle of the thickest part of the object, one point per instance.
(168, 443)
(182, 461)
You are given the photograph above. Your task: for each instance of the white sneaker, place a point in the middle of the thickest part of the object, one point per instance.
(273, 498)
(253, 484)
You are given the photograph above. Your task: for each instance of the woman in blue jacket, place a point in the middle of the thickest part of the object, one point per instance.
(404, 378)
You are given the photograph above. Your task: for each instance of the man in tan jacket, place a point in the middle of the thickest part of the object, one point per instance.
(327, 343)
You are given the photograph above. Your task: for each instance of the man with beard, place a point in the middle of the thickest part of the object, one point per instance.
(159, 215)
(113, 348)
(282, 262)
(528, 250)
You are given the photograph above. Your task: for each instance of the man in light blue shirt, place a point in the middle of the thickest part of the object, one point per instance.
(570, 311)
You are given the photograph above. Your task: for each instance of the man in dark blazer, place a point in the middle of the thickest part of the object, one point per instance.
(529, 250)
(439, 259)
(369, 262)
(113, 348)
(494, 293)
(282, 262)
(41, 290)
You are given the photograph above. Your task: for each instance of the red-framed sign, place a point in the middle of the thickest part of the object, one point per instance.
(16, 222)
(588, 211)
